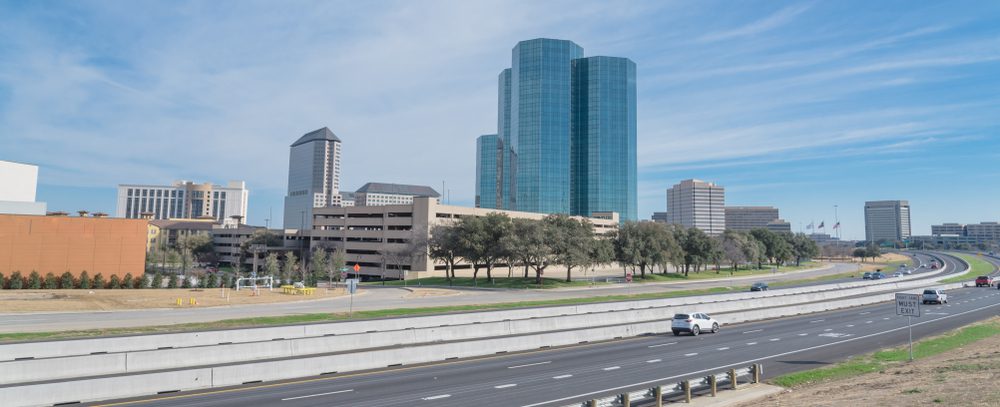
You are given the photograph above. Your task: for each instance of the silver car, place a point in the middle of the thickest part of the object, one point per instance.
(934, 296)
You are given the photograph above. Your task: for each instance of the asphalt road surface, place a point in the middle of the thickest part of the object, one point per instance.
(563, 376)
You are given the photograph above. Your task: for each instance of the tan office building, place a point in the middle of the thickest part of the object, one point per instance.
(697, 204)
(369, 233)
(57, 244)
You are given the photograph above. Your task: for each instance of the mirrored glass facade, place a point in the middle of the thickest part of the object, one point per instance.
(603, 169)
(489, 153)
(566, 132)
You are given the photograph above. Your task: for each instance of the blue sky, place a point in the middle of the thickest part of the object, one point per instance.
(800, 105)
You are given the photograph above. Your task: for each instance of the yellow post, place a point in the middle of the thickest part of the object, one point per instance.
(178, 302)
(191, 301)
(687, 391)
(658, 394)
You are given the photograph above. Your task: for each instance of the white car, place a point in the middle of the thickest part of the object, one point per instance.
(934, 296)
(897, 274)
(695, 323)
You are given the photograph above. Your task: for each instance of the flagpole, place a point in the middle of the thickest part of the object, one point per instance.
(836, 221)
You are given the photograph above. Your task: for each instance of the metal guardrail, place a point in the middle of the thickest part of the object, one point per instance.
(684, 390)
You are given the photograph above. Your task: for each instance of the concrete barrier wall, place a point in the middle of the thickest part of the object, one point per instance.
(204, 338)
(47, 394)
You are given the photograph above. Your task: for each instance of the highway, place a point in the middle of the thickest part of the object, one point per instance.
(556, 377)
(372, 297)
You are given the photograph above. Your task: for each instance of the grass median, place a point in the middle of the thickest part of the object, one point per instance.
(880, 360)
(979, 267)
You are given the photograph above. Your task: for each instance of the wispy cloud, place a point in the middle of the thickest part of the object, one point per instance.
(778, 19)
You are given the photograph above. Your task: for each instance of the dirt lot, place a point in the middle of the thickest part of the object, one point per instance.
(967, 376)
(100, 300)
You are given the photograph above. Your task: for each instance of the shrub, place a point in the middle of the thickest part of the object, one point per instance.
(99, 280)
(1, 282)
(157, 281)
(172, 282)
(212, 281)
(186, 281)
(66, 282)
(51, 282)
(128, 282)
(34, 280)
(16, 282)
(84, 280)
(203, 281)
(114, 282)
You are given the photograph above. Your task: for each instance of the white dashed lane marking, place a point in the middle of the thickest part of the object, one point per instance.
(723, 348)
(654, 360)
(775, 339)
(751, 343)
(691, 354)
(755, 330)
(504, 386)
(659, 345)
(803, 334)
(529, 364)
(440, 396)
(562, 376)
(612, 368)
(316, 395)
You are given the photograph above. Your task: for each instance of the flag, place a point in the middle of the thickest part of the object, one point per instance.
(821, 224)
(809, 226)
(836, 225)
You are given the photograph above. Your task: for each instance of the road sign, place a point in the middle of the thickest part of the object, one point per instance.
(908, 304)
(343, 269)
(352, 285)
(357, 268)
(343, 275)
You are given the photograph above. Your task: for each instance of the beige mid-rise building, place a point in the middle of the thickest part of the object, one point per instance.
(887, 221)
(371, 235)
(698, 204)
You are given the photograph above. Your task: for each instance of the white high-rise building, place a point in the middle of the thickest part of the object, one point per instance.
(18, 183)
(887, 220)
(313, 177)
(184, 200)
(698, 204)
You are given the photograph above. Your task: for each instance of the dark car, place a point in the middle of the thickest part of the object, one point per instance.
(867, 276)
(878, 275)
(758, 287)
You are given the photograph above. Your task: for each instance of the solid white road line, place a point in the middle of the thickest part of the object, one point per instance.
(850, 325)
(529, 364)
(744, 362)
(818, 320)
(562, 376)
(317, 395)
(440, 396)
(755, 330)
(865, 313)
(612, 368)
(775, 339)
(868, 322)
(803, 334)
(654, 360)
(659, 345)
(504, 386)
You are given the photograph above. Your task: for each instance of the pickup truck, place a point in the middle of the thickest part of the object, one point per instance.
(984, 281)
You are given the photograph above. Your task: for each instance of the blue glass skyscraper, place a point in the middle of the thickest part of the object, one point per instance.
(603, 150)
(566, 132)
(541, 89)
(489, 153)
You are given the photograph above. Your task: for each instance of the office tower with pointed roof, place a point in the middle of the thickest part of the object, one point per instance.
(313, 177)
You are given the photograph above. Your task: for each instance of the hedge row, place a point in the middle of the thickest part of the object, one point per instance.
(35, 281)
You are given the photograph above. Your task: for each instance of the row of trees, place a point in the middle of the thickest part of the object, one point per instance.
(496, 240)
(321, 266)
(35, 281)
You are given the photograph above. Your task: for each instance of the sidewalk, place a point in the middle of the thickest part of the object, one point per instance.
(728, 398)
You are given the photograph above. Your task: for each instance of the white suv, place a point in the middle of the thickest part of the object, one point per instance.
(935, 296)
(695, 323)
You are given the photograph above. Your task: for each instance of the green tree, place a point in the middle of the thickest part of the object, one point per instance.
(114, 282)
(98, 281)
(16, 282)
(157, 281)
(185, 281)
(483, 241)
(776, 248)
(51, 282)
(570, 240)
(129, 281)
(272, 266)
(85, 280)
(172, 281)
(317, 266)
(444, 246)
(336, 263)
(873, 250)
(734, 248)
(602, 252)
(802, 247)
(291, 265)
(698, 249)
(212, 280)
(34, 280)
(66, 282)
